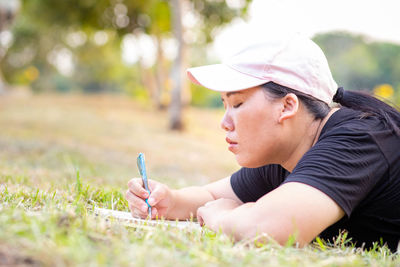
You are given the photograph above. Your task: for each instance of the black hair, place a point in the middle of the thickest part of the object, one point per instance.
(367, 104)
(370, 106)
(315, 106)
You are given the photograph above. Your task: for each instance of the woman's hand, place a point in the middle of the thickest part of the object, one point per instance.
(213, 212)
(160, 198)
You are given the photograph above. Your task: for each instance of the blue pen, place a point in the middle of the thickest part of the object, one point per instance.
(142, 170)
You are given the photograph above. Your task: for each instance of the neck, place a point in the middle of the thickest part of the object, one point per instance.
(311, 132)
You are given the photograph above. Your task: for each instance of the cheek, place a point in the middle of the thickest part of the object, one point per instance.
(258, 136)
(254, 126)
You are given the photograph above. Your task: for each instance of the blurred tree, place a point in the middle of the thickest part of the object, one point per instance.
(52, 35)
(358, 63)
(178, 68)
(8, 10)
(190, 22)
(210, 15)
(387, 56)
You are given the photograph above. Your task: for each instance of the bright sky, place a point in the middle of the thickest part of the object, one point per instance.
(377, 19)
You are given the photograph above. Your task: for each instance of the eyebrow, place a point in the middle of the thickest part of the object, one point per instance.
(228, 94)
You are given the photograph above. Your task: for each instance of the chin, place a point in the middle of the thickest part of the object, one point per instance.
(248, 162)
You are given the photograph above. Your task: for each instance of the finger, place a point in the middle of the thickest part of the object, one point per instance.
(135, 180)
(200, 216)
(152, 184)
(137, 213)
(136, 187)
(157, 195)
(136, 202)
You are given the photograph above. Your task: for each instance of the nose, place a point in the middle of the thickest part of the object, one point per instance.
(227, 122)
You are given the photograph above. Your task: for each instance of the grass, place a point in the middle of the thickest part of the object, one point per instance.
(60, 155)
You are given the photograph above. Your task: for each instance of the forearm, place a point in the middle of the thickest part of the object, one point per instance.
(292, 210)
(237, 222)
(186, 201)
(246, 221)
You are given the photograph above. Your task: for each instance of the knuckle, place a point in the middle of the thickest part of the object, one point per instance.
(137, 202)
(137, 213)
(137, 186)
(134, 200)
(133, 182)
(129, 197)
(139, 182)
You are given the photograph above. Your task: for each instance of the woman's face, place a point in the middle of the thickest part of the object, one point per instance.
(252, 129)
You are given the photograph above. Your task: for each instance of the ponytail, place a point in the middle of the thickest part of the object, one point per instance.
(370, 106)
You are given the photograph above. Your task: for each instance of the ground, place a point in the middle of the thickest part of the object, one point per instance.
(62, 154)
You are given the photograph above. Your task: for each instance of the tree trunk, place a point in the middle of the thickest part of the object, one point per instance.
(160, 77)
(178, 68)
(2, 84)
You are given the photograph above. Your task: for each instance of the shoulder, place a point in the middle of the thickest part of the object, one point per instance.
(352, 129)
(348, 120)
(347, 160)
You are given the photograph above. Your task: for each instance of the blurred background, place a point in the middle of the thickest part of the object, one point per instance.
(142, 48)
(88, 84)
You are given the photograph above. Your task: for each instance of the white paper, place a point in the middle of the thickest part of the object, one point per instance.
(127, 217)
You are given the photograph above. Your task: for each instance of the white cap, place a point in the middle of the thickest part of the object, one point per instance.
(295, 62)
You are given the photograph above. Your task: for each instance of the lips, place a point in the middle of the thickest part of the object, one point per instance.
(233, 146)
(230, 141)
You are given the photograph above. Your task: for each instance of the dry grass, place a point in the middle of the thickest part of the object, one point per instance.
(49, 137)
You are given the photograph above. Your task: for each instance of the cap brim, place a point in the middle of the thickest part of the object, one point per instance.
(222, 78)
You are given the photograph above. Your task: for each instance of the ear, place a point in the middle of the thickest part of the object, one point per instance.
(290, 106)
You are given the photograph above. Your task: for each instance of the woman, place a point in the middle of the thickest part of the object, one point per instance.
(309, 169)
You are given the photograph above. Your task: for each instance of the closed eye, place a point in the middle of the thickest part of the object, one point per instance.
(237, 105)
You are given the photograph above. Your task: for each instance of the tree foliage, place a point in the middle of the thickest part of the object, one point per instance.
(44, 28)
(43, 25)
(358, 63)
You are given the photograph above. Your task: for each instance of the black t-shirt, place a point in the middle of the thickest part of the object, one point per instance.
(356, 162)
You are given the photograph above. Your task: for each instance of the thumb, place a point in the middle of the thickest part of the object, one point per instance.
(157, 195)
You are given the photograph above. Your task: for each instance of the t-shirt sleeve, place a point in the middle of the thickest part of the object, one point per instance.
(250, 184)
(345, 165)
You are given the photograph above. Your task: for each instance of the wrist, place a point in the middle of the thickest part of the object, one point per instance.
(172, 195)
(237, 222)
(224, 222)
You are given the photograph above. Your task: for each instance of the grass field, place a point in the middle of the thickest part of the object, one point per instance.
(60, 155)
